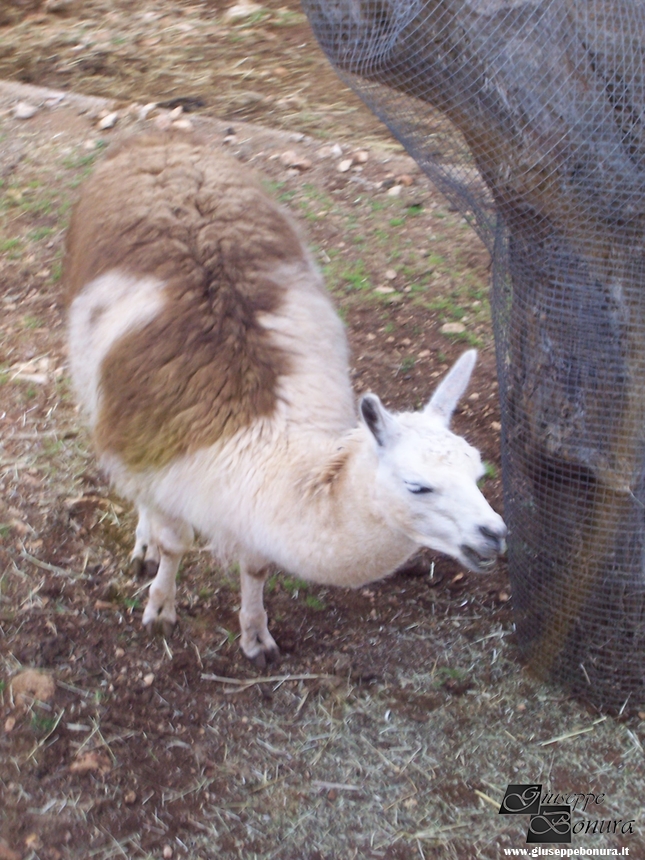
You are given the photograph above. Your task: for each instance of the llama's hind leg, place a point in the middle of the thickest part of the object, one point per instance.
(145, 557)
(171, 539)
(257, 644)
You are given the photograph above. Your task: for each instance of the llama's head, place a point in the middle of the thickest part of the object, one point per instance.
(427, 476)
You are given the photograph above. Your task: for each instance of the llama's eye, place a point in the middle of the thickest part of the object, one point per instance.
(418, 489)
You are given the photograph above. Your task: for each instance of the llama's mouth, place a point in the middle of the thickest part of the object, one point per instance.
(476, 561)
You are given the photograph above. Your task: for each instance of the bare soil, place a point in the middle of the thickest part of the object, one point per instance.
(399, 712)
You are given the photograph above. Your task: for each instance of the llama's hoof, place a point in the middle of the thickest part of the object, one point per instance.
(264, 656)
(143, 568)
(161, 627)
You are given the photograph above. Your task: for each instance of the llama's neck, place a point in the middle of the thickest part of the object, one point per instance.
(326, 523)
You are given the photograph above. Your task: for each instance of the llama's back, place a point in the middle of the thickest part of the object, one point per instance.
(195, 309)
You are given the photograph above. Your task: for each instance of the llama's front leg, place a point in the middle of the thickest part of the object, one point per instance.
(160, 615)
(256, 642)
(145, 558)
(170, 539)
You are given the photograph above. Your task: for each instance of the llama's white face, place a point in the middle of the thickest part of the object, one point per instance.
(427, 476)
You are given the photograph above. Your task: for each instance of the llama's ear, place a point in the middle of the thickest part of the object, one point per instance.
(377, 419)
(452, 387)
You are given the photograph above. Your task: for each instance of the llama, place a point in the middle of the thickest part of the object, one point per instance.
(213, 372)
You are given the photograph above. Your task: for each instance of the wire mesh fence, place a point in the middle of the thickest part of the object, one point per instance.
(529, 115)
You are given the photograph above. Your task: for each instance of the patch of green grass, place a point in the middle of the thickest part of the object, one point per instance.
(447, 307)
(12, 247)
(56, 271)
(40, 233)
(467, 337)
(287, 196)
(490, 473)
(5, 530)
(78, 160)
(407, 363)
(286, 18)
(29, 321)
(294, 586)
(42, 724)
(445, 674)
(131, 603)
(313, 602)
(356, 277)
(256, 18)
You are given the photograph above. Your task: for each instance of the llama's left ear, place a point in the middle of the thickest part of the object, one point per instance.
(452, 387)
(377, 419)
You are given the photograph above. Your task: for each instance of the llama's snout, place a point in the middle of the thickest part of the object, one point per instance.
(495, 536)
(481, 554)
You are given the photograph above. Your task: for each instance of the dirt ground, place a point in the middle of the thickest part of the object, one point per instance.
(398, 713)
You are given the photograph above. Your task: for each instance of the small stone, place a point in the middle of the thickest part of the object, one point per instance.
(175, 113)
(146, 110)
(167, 852)
(424, 353)
(24, 110)
(452, 328)
(405, 179)
(361, 156)
(149, 679)
(130, 797)
(344, 165)
(384, 291)
(91, 761)
(474, 396)
(495, 425)
(395, 191)
(240, 11)
(292, 159)
(9, 724)
(337, 150)
(390, 274)
(32, 684)
(58, 5)
(183, 124)
(108, 121)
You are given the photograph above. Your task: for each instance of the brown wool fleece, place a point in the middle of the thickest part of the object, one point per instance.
(202, 368)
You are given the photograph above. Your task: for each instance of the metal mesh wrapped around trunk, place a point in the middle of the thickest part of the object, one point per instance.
(529, 115)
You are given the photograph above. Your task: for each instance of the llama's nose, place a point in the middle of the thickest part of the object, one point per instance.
(495, 536)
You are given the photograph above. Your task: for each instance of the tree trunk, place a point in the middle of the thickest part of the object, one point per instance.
(549, 100)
